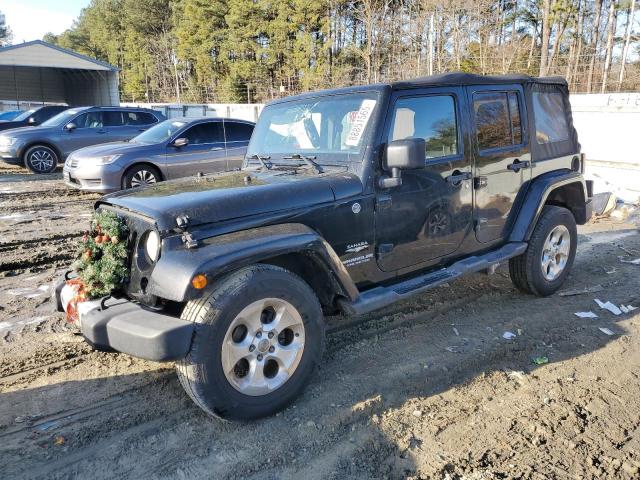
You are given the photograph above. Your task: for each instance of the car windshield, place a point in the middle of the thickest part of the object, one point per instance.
(61, 119)
(160, 132)
(24, 115)
(330, 127)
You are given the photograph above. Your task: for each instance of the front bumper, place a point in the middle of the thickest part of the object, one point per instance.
(93, 178)
(127, 327)
(10, 155)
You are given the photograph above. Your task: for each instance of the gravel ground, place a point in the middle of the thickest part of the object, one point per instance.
(425, 389)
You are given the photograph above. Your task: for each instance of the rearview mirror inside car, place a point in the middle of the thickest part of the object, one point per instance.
(406, 154)
(180, 142)
(31, 120)
(70, 126)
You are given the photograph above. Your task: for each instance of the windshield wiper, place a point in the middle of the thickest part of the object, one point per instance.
(310, 160)
(263, 159)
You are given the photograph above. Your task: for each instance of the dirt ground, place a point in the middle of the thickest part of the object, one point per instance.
(425, 389)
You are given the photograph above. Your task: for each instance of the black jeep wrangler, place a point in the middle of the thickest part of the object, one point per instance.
(349, 200)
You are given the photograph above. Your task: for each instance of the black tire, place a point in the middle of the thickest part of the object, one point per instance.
(526, 270)
(137, 173)
(40, 159)
(201, 373)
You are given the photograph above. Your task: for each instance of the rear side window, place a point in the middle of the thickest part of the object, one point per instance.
(551, 120)
(210, 132)
(430, 117)
(497, 116)
(238, 132)
(139, 118)
(113, 119)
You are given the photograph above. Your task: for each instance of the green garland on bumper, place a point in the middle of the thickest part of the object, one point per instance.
(102, 255)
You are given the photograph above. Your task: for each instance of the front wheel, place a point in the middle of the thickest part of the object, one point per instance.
(41, 159)
(140, 176)
(259, 337)
(544, 266)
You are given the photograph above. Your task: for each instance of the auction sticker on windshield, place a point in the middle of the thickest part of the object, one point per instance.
(359, 122)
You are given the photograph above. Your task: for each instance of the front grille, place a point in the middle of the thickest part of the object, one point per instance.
(137, 279)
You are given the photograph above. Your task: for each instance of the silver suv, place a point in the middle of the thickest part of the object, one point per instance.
(42, 148)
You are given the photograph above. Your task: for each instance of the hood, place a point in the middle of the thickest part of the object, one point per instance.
(215, 198)
(113, 148)
(10, 124)
(26, 131)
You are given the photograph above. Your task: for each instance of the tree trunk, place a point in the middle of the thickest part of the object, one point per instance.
(546, 35)
(593, 50)
(611, 31)
(627, 40)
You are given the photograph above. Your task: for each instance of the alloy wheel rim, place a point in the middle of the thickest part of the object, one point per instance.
(263, 346)
(143, 177)
(41, 160)
(438, 223)
(555, 252)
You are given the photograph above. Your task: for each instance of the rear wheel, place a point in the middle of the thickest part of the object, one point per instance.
(543, 268)
(140, 176)
(41, 159)
(259, 336)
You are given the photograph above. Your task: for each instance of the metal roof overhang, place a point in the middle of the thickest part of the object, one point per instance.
(41, 72)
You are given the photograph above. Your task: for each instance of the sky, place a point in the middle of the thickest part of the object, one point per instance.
(31, 19)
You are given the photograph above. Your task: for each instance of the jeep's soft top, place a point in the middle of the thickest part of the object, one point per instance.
(554, 92)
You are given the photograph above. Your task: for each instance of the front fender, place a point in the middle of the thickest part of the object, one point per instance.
(171, 278)
(536, 197)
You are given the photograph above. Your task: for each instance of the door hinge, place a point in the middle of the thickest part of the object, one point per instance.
(479, 182)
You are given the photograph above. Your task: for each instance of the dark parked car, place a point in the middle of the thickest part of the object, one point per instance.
(349, 200)
(171, 149)
(33, 117)
(41, 148)
(9, 115)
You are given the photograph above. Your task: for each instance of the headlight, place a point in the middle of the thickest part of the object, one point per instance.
(152, 245)
(7, 141)
(106, 159)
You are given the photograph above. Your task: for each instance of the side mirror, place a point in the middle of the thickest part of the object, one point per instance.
(407, 154)
(180, 142)
(70, 126)
(31, 120)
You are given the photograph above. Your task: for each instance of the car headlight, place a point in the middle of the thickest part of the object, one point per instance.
(106, 159)
(7, 141)
(152, 245)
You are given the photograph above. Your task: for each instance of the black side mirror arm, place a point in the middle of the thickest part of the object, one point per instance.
(395, 180)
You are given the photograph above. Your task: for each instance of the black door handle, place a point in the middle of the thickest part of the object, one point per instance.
(517, 165)
(457, 177)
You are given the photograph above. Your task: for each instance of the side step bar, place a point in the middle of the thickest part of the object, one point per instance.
(380, 297)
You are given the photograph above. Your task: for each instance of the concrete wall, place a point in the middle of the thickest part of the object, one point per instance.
(608, 127)
(241, 111)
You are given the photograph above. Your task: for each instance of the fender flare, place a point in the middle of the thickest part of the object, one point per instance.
(536, 197)
(216, 256)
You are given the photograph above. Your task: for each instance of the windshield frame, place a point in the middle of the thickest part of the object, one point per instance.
(25, 115)
(70, 114)
(169, 139)
(336, 158)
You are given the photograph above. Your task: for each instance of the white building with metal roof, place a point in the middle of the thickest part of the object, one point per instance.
(38, 72)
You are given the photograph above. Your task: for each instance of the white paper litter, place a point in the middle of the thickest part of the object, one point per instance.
(508, 335)
(586, 314)
(633, 262)
(606, 331)
(608, 306)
